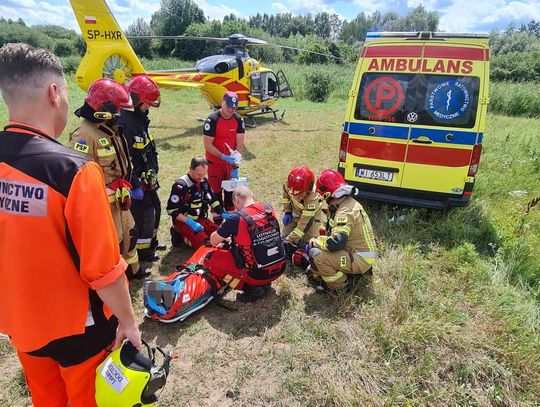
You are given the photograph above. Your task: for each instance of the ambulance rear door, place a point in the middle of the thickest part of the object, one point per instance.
(378, 131)
(446, 118)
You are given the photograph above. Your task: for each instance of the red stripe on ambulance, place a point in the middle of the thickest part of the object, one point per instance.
(467, 53)
(405, 51)
(377, 150)
(440, 156)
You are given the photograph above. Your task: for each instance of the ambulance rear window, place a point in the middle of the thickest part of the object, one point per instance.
(429, 100)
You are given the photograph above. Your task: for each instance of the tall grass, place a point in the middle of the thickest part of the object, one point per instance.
(515, 99)
(340, 77)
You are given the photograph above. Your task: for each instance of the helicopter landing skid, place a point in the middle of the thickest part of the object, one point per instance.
(265, 110)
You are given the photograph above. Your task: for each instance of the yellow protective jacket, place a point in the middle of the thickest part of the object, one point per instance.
(107, 146)
(304, 212)
(348, 217)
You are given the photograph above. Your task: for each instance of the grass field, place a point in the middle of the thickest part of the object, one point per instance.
(450, 316)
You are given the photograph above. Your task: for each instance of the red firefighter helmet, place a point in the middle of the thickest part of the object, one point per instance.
(107, 95)
(143, 90)
(329, 181)
(300, 180)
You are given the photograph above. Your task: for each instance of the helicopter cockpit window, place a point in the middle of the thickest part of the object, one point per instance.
(222, 67)
(234, 51)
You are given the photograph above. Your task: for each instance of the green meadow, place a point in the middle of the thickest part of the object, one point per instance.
(450, 316)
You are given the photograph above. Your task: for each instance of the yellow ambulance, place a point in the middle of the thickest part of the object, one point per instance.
(415, 118)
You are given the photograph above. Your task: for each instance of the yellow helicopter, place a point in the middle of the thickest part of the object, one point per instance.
(109, 54)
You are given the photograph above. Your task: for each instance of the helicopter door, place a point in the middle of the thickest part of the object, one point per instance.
(256, 87)
(264, 86)
(283, 85)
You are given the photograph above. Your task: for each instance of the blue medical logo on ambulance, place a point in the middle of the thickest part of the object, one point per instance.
(448, 101)
(23, 198)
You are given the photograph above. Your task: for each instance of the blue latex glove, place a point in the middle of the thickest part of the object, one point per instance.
(228, 158)
(137, 194)
(227, 215)
(307, 248)
(195, 226)
(287, 218)
(234, 172)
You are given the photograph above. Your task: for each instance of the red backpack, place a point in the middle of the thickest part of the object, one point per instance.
(267, 250)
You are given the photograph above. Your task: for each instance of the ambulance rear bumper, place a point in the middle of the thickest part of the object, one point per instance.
(410, 197)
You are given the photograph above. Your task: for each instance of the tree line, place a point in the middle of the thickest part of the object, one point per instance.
(515, 51)
(322, 32)
(60, 40)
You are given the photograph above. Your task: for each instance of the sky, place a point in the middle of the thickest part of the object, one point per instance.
(455, 15)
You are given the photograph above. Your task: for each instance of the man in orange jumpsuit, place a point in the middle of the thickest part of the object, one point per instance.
(64, 296)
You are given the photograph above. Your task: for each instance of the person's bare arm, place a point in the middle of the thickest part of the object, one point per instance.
(116, 297)
(91, 226)
(216, 238)
(240, 142)
(181, 218)
(209, 146)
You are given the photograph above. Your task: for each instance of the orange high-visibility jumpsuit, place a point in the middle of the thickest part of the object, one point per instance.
(59, 246)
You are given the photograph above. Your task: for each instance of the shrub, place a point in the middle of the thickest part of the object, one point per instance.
(64, 48)
(70, 64)
(516, 67)
(317, 86)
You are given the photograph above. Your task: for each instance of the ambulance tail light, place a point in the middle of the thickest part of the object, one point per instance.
(343, 146)
(475, 160)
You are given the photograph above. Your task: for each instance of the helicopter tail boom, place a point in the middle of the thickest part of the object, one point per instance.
(108, 52)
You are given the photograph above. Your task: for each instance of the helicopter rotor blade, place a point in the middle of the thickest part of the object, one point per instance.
(242, 39)
(174, 37)
(306, 50)
(237, 39)
(255, 41)
(234, 39)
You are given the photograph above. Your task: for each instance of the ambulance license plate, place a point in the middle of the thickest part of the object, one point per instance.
(374, 174)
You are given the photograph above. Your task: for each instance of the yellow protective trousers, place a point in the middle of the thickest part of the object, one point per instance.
(127, 236)
(333, 267)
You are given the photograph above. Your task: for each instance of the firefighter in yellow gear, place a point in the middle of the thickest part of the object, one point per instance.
(301, 207)
(349, 245)
(102, 140)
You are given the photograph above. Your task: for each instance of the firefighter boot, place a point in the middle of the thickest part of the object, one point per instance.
(176, 239)
(252, 293)
(142, 273)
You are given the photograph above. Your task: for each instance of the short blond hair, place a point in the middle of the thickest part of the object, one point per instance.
(242, 193)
